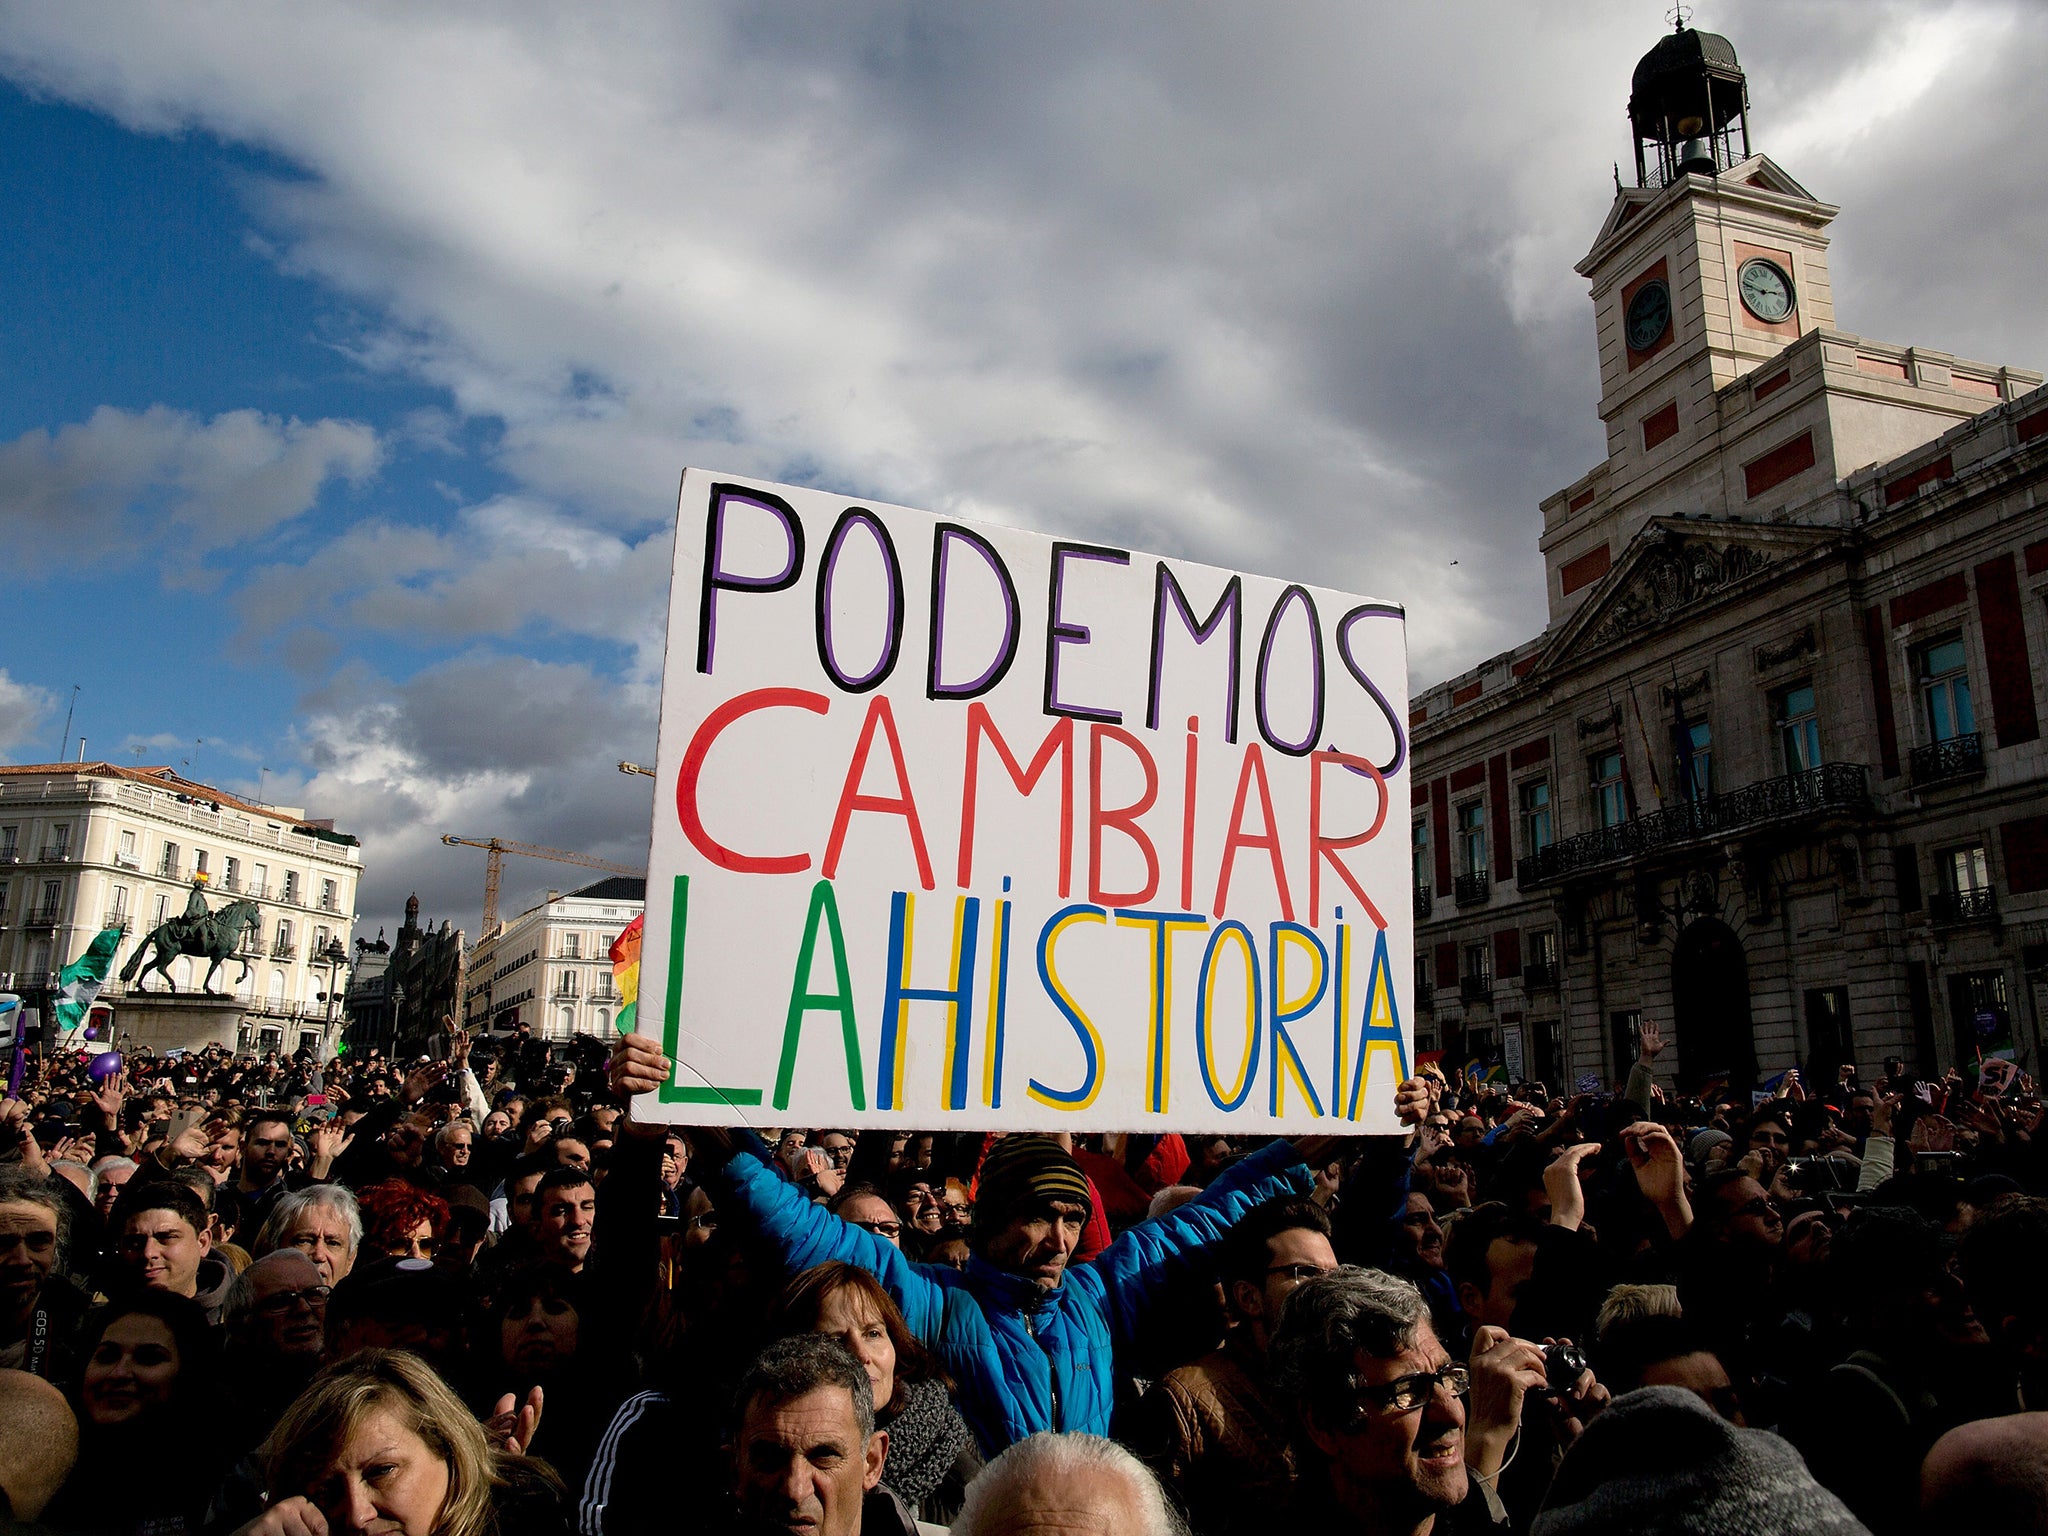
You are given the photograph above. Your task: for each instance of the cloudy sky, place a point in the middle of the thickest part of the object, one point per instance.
(352, 354)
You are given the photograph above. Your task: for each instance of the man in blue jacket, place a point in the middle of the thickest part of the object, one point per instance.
(1032, 1343)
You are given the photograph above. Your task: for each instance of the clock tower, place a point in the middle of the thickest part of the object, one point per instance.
(1726, 390)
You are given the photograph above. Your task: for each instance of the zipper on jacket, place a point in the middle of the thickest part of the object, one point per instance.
(1052, 1370)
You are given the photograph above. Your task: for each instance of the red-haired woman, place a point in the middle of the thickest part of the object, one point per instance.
(400, 1221)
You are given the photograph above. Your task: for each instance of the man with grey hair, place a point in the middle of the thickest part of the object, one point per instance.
(807, 1458)
(110, 1177)
(323, 1222)
(1384, 1403)
(1051, 1484)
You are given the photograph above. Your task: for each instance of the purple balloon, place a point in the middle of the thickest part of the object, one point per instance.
(104, 1066)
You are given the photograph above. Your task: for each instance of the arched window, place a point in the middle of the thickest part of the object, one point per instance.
(566, 1021)
(181, 973)
(277, 986)
(604, 1020)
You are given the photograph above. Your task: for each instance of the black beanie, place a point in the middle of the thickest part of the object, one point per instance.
(1021, 1169)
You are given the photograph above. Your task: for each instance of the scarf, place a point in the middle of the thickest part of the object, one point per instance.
(925, 1437)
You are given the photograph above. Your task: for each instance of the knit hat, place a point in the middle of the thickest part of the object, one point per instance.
(1703, 1142)
(1660, 1462)
(1022, 1169)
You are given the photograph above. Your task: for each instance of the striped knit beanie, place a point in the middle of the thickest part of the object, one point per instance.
(1026, 1169)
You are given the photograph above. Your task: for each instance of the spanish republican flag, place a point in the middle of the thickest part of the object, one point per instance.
(625, 955)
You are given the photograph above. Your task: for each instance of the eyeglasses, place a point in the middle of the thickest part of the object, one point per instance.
(1763, 1205)
(314, 1296)
(888, 1229)
(1297, 1272)
(1410, 1392)
(705, 1223)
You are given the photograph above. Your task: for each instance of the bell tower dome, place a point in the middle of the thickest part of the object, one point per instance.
(1688, 102)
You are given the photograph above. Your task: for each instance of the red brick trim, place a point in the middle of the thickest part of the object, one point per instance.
(1907, 484)
(1585, 570)
(1932, 598)
(1660, 426)
(2005, 652)
(1778, 466)
(1530, 753)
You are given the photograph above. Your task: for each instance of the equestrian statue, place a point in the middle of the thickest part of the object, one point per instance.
(199, 931)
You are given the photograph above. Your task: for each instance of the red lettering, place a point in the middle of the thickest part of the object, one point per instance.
(1254, 766)
(1123, 818)
(900, 804)
(693, 767)
(1059, 739)
(1321, 847)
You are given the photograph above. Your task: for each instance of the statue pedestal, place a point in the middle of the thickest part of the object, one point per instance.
(185, 1021)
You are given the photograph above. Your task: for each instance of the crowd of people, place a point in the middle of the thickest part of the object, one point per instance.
(469, 1296)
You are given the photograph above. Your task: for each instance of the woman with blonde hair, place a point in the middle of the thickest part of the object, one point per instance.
(379, 1443)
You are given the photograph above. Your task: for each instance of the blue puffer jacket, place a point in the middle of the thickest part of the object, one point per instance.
(1025, 1359)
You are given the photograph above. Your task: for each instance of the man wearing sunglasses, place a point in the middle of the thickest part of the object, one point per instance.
(1383, 1401)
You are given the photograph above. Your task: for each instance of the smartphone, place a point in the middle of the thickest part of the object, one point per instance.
(181, 1122)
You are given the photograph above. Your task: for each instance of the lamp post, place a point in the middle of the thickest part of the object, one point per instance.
(334, 957)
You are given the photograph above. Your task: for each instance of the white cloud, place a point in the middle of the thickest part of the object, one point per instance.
(121, 481)
(23, 710)
(1283, 287)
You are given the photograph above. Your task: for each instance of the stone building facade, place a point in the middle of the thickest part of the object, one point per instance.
(1773, 774)
(550, 967)
(89, 846)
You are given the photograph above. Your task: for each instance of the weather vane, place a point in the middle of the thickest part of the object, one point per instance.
(1679, 16)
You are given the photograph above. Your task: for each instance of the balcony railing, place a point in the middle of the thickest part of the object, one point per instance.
(1475, 989)
(1471, 889)
(57, 853)
(1425, 994)
(120, 919)
(42, 917)
(284, 951)
(1539, 973)
(1950, 908)
(127, 861)
(1424, 899)
(1832, 789)
(1939, 762)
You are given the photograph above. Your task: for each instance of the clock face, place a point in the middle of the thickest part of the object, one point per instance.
(1766, 290)
(1649, 316)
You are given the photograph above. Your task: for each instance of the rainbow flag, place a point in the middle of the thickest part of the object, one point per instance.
(625, 957)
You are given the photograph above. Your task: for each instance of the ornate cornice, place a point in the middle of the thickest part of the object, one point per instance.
(1805, 643)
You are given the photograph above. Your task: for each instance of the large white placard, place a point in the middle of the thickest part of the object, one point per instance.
(957, 826)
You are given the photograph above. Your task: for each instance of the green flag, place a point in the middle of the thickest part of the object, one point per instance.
(79, 982)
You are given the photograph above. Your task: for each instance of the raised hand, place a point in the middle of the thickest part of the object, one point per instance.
(421, 1079)
(512, 1431)
(1933, 1133)
(1412, 1101)
(326, 1142)
(108, 1101)
(1650, 1043)
(1504, 1370)
(638, 1066)
(1882, 1112)
(1561, 1183)
(1660, 1172)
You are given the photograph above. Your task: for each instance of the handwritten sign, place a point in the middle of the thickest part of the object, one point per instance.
(959, 826)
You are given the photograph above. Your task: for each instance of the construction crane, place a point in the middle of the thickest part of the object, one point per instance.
(494, 865)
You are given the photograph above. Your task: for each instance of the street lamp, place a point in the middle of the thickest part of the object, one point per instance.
(334, 957)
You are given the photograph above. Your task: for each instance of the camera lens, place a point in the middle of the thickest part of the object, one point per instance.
(1563, 1364)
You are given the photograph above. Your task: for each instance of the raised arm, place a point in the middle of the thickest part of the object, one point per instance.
(1130, 1271)
(748, 1188)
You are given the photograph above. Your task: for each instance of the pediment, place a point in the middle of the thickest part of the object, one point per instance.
(1671, 569)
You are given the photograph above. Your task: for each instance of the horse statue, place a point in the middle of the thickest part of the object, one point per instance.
(198, 932)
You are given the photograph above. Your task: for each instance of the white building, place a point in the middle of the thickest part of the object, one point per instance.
(550, 967)
(89, 846)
